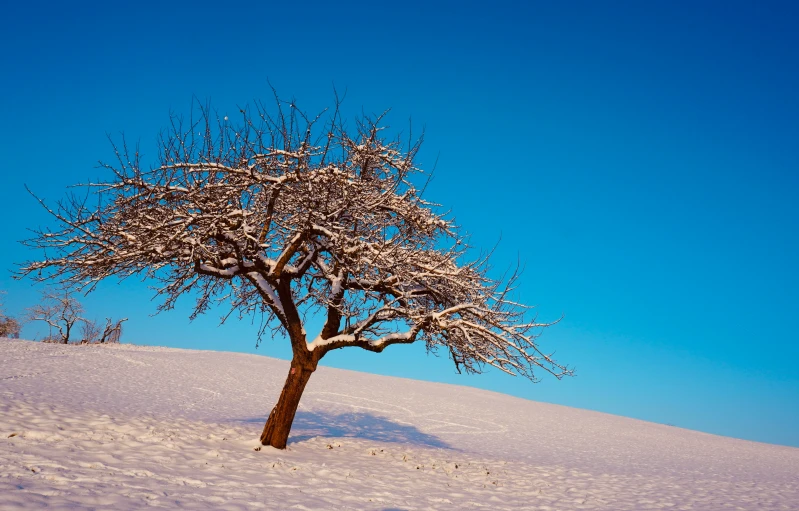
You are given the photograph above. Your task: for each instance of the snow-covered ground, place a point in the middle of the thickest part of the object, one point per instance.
(127, 427)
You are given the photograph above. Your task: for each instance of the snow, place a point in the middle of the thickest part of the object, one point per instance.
(318, 342)
(266, 287)
(128, 427)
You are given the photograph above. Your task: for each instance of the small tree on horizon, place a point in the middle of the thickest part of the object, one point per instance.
(93, 333)
(9, 326)
(288, 216)
(62, 313)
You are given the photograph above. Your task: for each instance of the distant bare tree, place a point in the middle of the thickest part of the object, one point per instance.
(90, 332)
(112, 333)
(61, 311)
(284, 215)
(9, 327)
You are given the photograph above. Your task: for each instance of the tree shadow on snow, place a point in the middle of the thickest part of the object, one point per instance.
(359, 425)
(308, 425)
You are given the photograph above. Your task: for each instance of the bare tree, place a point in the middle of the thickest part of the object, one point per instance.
(61, 311)
(9, 327)
(112, 333)
(284, 216)
(89, 332)
(92, 332)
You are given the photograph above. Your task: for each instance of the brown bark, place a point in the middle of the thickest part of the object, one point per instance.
(278, 425)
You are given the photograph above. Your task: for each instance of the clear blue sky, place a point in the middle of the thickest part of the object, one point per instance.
(640, 157)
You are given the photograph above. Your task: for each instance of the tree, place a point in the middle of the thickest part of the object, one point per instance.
(89, 332)
(92, 333)
(112, 332)
(288, 216)
(61, 311)
(9, 327)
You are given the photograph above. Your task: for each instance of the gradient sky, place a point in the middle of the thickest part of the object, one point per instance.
(639, 157)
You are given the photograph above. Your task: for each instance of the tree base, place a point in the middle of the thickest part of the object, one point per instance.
(278, 425)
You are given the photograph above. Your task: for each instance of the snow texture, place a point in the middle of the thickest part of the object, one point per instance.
(127, 427)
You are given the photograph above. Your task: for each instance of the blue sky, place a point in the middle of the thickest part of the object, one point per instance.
(639, 157)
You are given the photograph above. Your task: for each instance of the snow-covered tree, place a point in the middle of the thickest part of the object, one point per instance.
(92, 332)
(112, 331)
(61, 311)
(289, 216)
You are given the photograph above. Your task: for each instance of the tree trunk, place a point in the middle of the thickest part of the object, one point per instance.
(278, 425)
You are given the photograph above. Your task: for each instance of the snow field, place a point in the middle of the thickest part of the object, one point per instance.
(126, 427)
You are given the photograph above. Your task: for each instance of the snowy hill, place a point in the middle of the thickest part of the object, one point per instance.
(127, 427)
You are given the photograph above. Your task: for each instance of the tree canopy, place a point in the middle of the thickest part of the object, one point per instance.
(287, 215)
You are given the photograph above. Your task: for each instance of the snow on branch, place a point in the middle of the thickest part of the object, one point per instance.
(288, 215)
